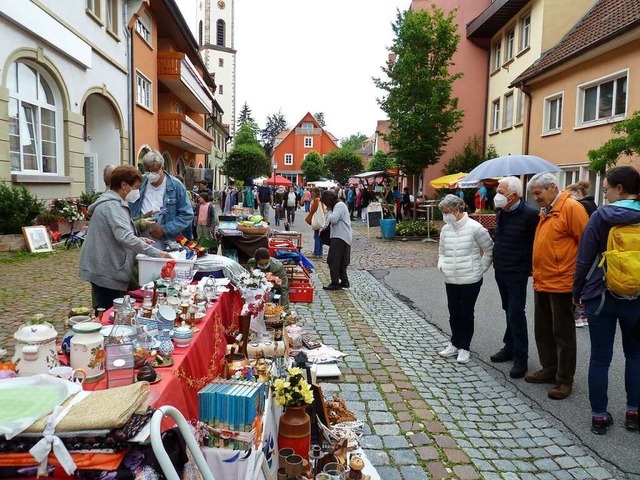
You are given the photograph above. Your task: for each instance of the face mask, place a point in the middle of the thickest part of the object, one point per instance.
(264, 267)
(500, 201)
(153, 177)
(133, 196)
(449, 218)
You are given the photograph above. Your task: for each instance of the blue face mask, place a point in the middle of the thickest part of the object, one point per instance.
(264, 267)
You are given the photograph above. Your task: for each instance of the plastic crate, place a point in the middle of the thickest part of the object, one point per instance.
(300, 292)
(281, 245)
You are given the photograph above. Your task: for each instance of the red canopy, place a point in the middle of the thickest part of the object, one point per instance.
(279, 180)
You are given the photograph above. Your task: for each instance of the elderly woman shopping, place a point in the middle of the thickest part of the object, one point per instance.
(465, 253)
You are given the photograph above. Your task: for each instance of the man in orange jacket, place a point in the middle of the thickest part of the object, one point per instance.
(555, 249)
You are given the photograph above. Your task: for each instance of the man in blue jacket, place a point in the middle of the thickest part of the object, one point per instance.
(161, 192)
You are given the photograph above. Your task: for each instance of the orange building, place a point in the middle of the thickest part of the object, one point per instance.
(171, 89)
(291, 147)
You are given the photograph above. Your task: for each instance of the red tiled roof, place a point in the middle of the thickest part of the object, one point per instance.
(606, 20)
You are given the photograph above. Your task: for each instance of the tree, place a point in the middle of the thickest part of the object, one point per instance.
(313, 167)
(353, 142)
(470, 157)
(247, 158)
(419, 103)
(246, 116)
(342, 164)
(320, 119)
(380, 162)
(275, 124)
(607, 156)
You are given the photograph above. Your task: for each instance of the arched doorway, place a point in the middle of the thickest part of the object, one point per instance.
(143, 151)
(168, 163)
(102, 146)
(181, 168)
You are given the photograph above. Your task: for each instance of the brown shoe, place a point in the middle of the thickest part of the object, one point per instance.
(541, 376)
(559, 391)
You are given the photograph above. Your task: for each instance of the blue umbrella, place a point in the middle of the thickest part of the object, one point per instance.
(511, 165)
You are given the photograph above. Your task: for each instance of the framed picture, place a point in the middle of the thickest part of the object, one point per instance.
(37, 239)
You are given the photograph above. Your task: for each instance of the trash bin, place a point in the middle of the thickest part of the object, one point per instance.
(388, 228)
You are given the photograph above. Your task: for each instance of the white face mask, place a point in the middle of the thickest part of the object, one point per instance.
(153, 177)
(500, 201)
(449, 218)
(133, 196)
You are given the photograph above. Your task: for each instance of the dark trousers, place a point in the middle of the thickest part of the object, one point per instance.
(555, 332)
(602, 330)
(461, 300)
(291, 214)
(513, 293)
(338, 259)
(103, 297)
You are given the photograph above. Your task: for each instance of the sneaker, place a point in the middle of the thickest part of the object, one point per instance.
(579, 322)
(585, 322)
(631, 420)
(504, 355)
(463, 356)
(449, 351)
(559, 391)
(599, 425)
(541, 376)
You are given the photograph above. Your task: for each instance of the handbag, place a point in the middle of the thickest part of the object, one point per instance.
(325, 236)
(317, 221)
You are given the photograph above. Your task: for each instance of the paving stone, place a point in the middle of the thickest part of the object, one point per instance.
(386, 429)
(427, 453)
(395, 441)
(382, 417)
(378, 457)
(437, 470)
(373, 442)
(465, 472)
(456, 456)
(445, 441)
(413, 473)
(419, 439)
(403, 457)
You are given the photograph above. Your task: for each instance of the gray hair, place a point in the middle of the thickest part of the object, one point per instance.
(512, 185)
(106, 174)
(544, 180)
(451, 202)
(152, 158)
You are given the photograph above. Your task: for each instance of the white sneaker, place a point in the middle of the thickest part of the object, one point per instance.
(463, 356)
(449, 351)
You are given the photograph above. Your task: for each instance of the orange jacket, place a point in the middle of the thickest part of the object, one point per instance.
(555, 246)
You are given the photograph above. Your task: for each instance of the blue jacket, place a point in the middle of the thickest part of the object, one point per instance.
(179, 214)
(594, 242)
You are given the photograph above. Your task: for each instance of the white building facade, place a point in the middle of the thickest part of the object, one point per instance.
(64, 94)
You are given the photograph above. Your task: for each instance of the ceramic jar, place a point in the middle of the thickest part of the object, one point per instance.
(87, 350)
(182, 336)
(294, 430)
(35, 350)
(66, 340)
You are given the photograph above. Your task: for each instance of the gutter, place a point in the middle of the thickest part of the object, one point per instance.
(527, 129)
(128, 32)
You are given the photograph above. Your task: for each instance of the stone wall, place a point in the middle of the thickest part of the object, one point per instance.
(13, 242)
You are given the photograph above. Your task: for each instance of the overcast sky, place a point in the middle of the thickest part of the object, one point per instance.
(302, 56)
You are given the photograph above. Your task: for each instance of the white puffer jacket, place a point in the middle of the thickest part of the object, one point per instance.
(466, 251)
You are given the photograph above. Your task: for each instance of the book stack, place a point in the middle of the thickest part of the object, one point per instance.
(231, 408)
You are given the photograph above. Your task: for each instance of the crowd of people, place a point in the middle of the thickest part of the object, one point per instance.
(561, 247)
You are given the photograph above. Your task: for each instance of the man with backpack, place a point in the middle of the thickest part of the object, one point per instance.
(607, 283)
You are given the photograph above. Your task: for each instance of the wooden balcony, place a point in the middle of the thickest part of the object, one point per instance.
(308, 131)
(178, 74)
(179, 130)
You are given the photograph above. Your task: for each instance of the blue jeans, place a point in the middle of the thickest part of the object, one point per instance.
(602, 330)
(317, 243)
(513, 293)
(307, 206)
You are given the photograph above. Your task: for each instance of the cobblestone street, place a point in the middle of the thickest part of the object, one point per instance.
(425, 416)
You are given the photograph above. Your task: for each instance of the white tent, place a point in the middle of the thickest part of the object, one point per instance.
(323, 184)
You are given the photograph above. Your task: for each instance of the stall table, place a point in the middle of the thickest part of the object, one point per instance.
(246, 245)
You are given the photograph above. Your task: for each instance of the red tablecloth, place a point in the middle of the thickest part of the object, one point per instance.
(197, 364)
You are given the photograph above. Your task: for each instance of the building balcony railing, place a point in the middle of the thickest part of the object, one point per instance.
(178, 74)
(308, 131)
(179, 130)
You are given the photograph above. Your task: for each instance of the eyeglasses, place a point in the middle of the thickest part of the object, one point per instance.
(605, 190)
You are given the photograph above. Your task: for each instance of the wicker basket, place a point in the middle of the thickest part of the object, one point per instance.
(253, 230)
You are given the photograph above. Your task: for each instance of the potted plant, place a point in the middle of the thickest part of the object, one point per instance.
(294, 393)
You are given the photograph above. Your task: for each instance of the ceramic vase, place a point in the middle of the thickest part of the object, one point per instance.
(166, 345)
(294, 430)
(87, 350)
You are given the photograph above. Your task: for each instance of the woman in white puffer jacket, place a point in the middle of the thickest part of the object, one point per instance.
(465, 253)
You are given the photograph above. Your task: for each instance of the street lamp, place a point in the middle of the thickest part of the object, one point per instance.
(275, 167)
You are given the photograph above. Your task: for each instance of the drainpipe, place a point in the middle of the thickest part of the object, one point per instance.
(527, 128)
(486, 107)
(128, 35)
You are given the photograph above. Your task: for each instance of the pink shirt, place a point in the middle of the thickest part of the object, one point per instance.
(203, 214)
(306, 196)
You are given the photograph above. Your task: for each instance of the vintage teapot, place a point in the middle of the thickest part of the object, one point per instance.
(35, 350)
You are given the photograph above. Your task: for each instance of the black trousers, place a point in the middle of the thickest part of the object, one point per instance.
(338, 259)
(555, 332)
(103, 297)
(291, 214)
(513, 293)
(461, 300)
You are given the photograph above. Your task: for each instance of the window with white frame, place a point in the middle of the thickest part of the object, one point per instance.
(288, 158)
(143, 26)
(496, 50)
(520, 108)
(93, 6)
(525, 32)
(143, 93)
(603, 99)
(553, 114)
(35, 116)
(510, 46)
(111, 11)
(507, 115)
(495, 115)
(308, 142)
(307, 125)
